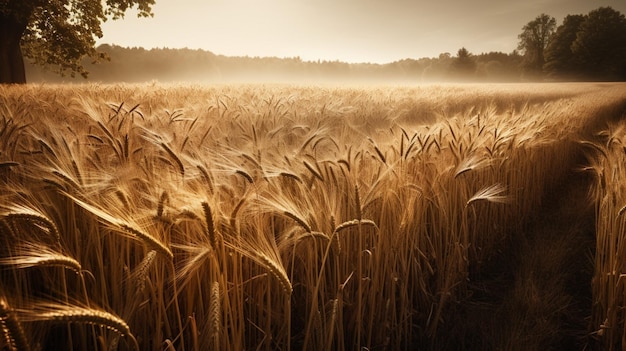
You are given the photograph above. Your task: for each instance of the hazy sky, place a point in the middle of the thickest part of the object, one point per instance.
(348, 30)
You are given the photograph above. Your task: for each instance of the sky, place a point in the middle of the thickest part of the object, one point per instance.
(376, 31)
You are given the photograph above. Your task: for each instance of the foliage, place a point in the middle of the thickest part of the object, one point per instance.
(60, 33)
(560, 59)
(600, 44)
(534, 39)
(589, 47)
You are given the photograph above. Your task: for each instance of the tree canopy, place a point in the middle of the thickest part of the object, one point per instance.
(560, 59)
(600, 45)
(534, 39)
(589, 47)
(57, 34)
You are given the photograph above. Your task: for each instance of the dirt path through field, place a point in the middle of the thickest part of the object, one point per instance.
(551, 294)
(537, 295)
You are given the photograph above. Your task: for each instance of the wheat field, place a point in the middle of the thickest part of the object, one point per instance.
(274, 217)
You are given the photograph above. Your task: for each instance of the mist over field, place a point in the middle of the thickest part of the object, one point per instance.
(136, 65)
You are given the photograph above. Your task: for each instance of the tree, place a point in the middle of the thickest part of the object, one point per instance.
(56, 33)
(533, 41)
(560, 60)
(600, 45)
(463, 66)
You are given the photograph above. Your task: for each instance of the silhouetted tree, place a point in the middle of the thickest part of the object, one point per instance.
(464, 65)
(55, 33)
(600, 45)
(560, 60)
(533, 41)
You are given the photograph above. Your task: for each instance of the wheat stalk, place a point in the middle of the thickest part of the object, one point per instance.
(331, 325)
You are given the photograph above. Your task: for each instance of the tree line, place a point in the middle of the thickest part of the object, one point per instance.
(176, 65)
(583, 47)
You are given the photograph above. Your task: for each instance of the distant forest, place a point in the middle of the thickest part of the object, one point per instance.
(588, 47)
(185, 65)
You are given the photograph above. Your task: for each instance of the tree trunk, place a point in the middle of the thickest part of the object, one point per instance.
(11, 60)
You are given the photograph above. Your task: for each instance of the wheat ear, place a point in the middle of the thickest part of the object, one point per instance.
(353, 223)
(207, 178)
(208, 216)
(31, 216)
(141, 271)
(215, 314)
(149, 240)
(63, 314)
(491, 193)
(277, 271)
(298, 220)
(313, 171)
(161, 204)
(8, 164)
(176, 159)
(245, 175)
(12, 328)
(44, 257)
(75, 314)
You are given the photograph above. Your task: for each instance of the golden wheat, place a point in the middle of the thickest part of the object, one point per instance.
(373, 210)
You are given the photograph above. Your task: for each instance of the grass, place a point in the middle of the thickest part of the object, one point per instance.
(300, 217)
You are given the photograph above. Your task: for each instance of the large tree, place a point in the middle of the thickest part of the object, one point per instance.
(533, 41)
(560, 60)
(600, 45)
(55, 33)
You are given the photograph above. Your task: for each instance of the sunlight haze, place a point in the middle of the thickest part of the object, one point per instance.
(348, 30)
